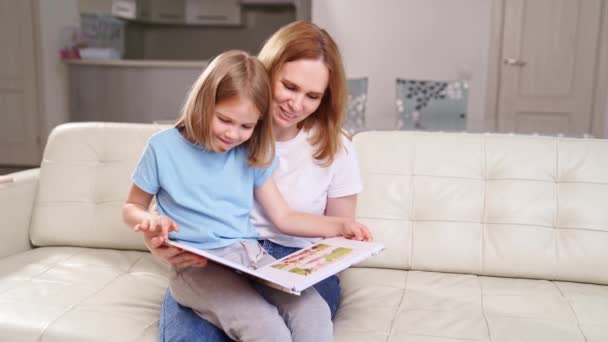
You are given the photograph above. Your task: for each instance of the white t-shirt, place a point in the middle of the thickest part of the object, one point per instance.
(306, 184)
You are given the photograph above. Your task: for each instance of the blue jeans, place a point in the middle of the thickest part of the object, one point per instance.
(179, 323)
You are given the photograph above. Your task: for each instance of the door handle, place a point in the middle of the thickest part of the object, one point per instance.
(514, 62)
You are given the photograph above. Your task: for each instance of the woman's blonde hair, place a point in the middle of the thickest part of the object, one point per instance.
(232, 73)
(305, 40)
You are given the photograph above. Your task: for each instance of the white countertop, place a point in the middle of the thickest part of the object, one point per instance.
(138, 63)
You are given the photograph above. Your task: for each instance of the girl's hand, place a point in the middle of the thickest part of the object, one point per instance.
(156, 228)
(356, 231)
(173, 256)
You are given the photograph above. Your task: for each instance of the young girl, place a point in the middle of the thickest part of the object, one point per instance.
(205, 172)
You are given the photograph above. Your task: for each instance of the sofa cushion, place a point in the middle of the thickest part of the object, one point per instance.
(487, 204)
(394, 305)
(80, 294)
(84, 178)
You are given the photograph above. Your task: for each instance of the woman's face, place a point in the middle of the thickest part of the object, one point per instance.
(298, 89)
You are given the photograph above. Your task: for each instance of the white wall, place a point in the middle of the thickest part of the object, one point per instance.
(606, 118)
(419, 39)
(52, 72)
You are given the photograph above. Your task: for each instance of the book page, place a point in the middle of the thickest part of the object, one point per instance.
(310, 260)
(310, 265)
(304, 268)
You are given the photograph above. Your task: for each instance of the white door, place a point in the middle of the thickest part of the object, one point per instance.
(549, 52)
(19, 119)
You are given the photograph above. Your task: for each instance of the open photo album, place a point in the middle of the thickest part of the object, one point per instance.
(304, 268)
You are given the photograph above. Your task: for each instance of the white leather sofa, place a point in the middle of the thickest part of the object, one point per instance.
(489, 238)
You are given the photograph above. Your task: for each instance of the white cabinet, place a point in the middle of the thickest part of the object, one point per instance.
(164, 11)
(213, 12)
(191, 12)
(159, 11)
(126, 9)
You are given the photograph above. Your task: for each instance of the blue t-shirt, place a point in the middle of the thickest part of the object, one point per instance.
(209, 195)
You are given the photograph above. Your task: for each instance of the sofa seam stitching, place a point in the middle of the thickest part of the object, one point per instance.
(157, 323)
(401, 300)
(556, 216)
(495, 223)
(497, 179)
(71, 307)
(411, 216)
(578, 323)
(483, 209)
(30, 278)
(483, 311)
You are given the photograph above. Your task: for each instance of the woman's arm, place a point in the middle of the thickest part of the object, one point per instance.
(301, 224)
(341, 206)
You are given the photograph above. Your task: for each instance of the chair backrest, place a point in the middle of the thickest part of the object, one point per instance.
(355, 110)
(431, 105)
(84, 178)
(500, 205)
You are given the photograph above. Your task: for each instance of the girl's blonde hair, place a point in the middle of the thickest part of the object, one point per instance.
(232, 73)
(305, 40)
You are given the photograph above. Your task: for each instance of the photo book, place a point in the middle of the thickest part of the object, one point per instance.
(304, 268)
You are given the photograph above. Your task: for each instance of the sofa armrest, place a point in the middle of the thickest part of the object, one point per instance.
(17, 194)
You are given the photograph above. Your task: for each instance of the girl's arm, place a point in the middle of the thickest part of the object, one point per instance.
(136, 207)
(301, 224)
(136, 215)
(135, 212)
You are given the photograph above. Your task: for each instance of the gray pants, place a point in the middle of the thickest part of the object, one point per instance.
(229, 301)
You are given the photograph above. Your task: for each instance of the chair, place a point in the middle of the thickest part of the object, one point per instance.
(355, 110)
(431, 105)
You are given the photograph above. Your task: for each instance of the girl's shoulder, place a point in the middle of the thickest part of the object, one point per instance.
(165, 134)
(171, 140)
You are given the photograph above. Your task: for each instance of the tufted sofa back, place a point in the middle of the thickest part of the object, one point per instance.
(517, 206)
(502, 205)
(84, 179)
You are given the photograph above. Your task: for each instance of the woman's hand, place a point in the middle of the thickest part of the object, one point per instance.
(356, 231)
(173, 256)
(156, 230)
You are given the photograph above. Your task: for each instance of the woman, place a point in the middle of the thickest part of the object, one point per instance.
(318, 170)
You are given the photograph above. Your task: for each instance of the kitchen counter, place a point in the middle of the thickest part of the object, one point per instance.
(137, 63)
(140, 91)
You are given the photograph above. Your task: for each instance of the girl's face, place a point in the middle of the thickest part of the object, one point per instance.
(298, 89)
(233, 122)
